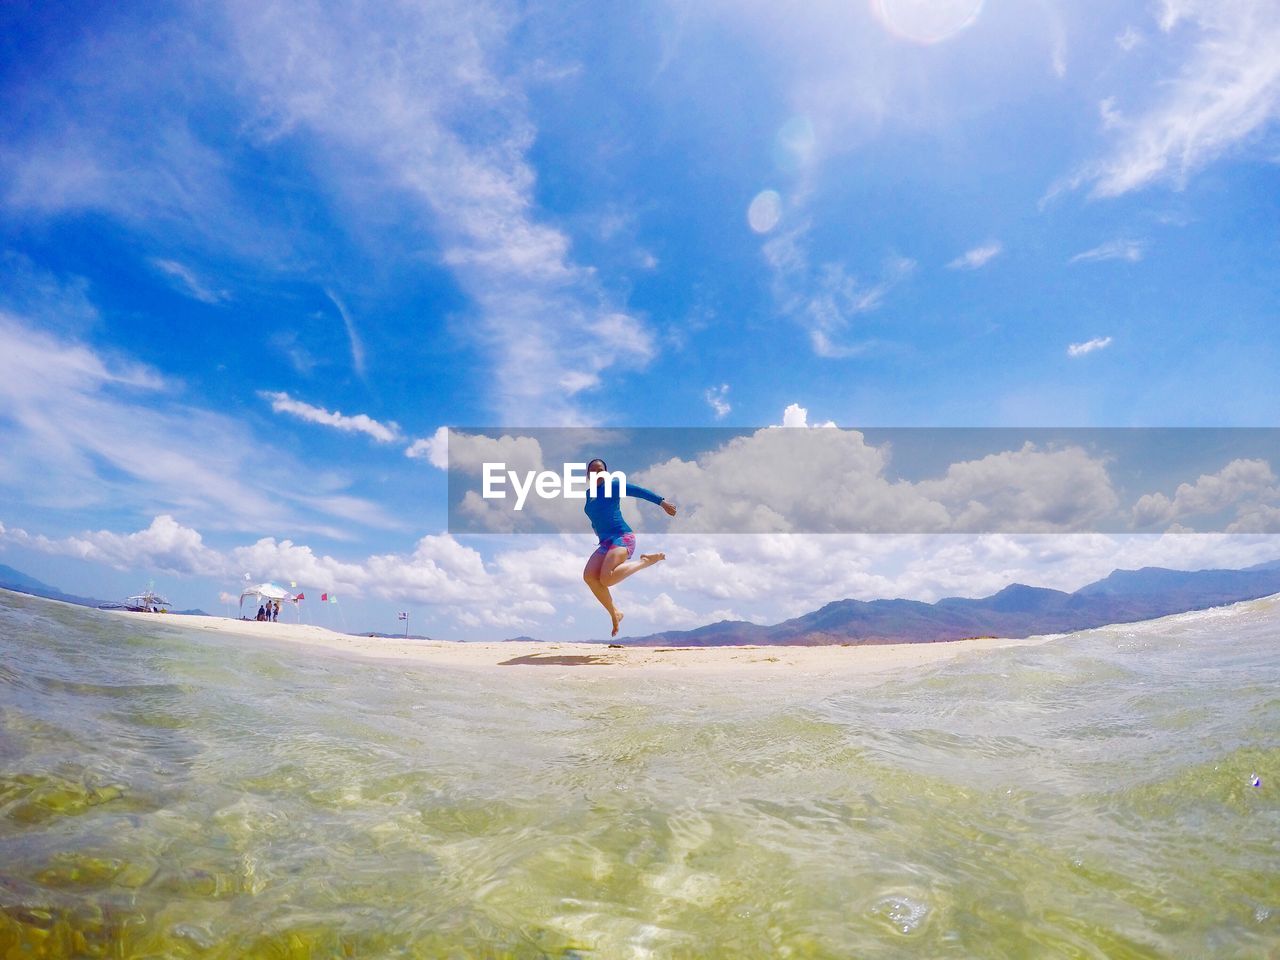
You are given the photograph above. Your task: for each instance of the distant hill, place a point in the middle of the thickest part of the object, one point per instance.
(16, 580)
(1018, 610)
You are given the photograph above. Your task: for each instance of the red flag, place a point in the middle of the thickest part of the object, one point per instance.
(324, 598)
(300, 597)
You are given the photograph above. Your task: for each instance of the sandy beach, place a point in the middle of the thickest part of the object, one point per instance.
(825, 660)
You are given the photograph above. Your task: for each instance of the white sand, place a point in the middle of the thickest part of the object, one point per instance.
(826, 660)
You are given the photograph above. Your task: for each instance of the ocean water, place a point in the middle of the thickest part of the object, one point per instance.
(170, 794)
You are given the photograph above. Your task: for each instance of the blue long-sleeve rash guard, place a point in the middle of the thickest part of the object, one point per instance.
(605, 513)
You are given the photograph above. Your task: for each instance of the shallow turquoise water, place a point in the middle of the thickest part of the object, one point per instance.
(171, 794)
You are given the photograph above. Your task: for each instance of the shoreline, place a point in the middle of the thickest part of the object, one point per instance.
(595, 657)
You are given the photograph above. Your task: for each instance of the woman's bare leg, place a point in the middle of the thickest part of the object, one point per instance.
(617, 568)
(591, 575)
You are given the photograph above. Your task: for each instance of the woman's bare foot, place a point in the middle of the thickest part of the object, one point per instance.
(617, 622)
(651, 558)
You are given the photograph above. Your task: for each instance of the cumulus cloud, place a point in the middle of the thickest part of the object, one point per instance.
(977, 257)
(521, 455)
(1088, 346)
(1249, 486)
(164, 547)
(434, 449)
(533, 583)
(831, 480)
(360, 423)
(797, 416)
(1025, 490)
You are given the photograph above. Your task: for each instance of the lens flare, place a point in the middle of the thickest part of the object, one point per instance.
(765, 211)
(926, 21)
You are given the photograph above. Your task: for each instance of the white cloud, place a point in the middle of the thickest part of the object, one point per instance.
(164, 547)
(797, 416)
(1025, 490)
(1130, 250)
(1111, 116)
(434, 449)
(353, 335)
(186, 280)
(829, 480)
(718, 398)
(468, 453)
(662, 612)
(399, 104)
(416, 98)
(977, 257)
(99, 428)
(826, 300)
(1256, 518)
(1246, 485)
(1088, 346)
(1128, 38)
(360, 423)
(283, 560)
(1226, 92)
(534, 583)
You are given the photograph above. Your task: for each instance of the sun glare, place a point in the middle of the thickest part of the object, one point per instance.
(926, 21)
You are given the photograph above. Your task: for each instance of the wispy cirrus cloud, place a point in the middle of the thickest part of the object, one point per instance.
(1088, 346)
(422, 102)
(977, 258)
(1130, 250)
(826, 299)
(186, 280)
(353, 335)
(102, 428)
(420, 108)
(358, 423)
(1225, 93)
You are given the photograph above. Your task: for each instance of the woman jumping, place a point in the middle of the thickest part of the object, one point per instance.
(612, 563)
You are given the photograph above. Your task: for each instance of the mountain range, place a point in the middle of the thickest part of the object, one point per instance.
(19, 582)
(1124, 596)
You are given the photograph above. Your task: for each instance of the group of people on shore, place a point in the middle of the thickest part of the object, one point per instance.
(269, 611)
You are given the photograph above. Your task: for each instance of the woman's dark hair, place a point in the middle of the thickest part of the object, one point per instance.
(596, 460)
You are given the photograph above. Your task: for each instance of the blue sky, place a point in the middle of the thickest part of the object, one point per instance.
(253, 253)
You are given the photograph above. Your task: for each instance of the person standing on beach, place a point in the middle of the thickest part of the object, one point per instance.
(611, 562)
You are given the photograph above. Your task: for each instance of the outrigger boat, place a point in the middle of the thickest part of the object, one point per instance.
(146, 602)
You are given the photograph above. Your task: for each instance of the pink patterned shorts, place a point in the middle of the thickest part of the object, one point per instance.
(627, 540)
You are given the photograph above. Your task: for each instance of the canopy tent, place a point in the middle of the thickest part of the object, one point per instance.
(267, 591)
